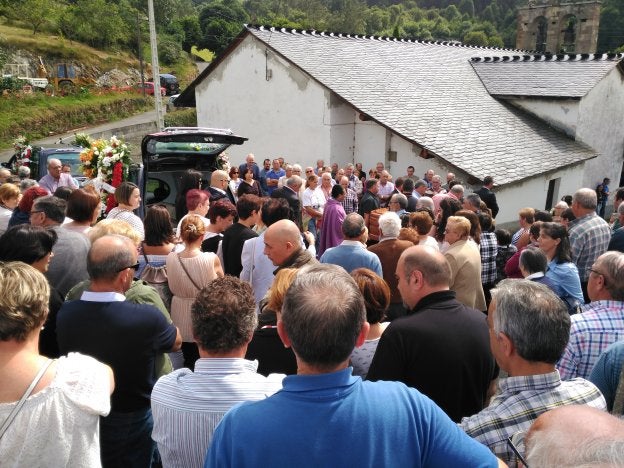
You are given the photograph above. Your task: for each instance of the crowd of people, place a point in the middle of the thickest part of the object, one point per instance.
(289, 315)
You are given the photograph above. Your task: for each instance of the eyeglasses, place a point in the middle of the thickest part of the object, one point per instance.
(135, 267)
(596, 272)
(33, 212)
(235, 172)
(515, 450)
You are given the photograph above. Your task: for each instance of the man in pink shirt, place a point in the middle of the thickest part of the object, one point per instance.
(55, 178)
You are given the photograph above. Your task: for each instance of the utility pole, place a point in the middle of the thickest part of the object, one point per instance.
(160, 123)
(140, 53)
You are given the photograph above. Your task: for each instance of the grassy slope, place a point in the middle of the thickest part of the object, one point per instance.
(59, 48)
(39, 116)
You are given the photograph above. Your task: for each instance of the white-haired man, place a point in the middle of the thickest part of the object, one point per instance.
(589, 234)
(55, 178)
(389, 249)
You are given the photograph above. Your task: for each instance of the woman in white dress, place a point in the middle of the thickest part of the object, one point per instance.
(58, 424)
(128, 199)
(188, 272)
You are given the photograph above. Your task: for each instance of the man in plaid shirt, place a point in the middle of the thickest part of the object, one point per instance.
(589, 234)
(529, 327)
(488, 248)
(602, 320)
(350, 202)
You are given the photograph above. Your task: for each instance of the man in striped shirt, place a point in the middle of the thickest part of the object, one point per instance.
(186, 405)
(529, 328)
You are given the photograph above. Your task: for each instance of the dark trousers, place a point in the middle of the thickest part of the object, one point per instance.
(126, 439)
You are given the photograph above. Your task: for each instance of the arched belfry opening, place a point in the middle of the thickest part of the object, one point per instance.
(555, 27)
(567, 38)
(541, 34)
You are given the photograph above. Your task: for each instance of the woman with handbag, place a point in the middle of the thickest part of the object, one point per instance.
(189, 271)
(49, 409)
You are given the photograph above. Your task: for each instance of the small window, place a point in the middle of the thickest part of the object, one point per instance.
(156, 191)
(553, 192)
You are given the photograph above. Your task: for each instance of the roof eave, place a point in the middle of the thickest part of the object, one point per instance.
(508, 97)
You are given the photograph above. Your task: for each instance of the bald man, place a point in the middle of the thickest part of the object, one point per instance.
(283, 246)
(250, 163)
(127, 337)
(219, 187)
(441, 347)
(55, 178)
(575, 435)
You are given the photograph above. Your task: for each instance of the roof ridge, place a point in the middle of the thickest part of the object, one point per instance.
(313, 32)
(550, 58)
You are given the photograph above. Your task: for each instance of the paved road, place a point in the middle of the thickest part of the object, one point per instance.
(67, 137)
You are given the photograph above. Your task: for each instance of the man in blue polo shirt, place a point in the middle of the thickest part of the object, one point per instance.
(273, 176)
(324, 416)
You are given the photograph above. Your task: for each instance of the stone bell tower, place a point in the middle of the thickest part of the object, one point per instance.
(557, 26)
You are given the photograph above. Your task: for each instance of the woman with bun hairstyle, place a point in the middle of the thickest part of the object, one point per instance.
(189, 271)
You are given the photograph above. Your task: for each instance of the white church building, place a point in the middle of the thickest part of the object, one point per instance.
(541, 125)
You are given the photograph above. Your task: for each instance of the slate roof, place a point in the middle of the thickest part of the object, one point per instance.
(428, 93)
(558, 76)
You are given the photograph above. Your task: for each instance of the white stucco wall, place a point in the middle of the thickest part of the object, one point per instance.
(532, 192)
(561, 114)
(596, 119)
(287, 115)
(601, 125)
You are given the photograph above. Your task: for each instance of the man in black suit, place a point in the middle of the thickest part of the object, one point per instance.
(219, 187)
(290, 192)
(234, 237)
(488, 197)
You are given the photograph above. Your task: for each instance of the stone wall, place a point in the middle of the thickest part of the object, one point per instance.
(559, 27)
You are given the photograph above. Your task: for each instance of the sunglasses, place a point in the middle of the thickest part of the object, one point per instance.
(135, 267)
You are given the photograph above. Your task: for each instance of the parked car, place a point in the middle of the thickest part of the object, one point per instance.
(149, 88)
(167, 154)
(171, 103)
(170, 83)
(39, 161)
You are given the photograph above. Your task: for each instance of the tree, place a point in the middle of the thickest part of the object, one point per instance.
(467, 7)
(35, 13)
(477, 38)
(192, 32)
(220, 22)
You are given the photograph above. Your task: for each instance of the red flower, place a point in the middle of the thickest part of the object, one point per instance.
(110, 202)
(117, 174)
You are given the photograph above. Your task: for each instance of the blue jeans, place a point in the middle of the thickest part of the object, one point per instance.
(126, 439)
(312, 227)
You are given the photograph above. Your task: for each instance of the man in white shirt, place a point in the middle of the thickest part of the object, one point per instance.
(386, 188)
(187, 405)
